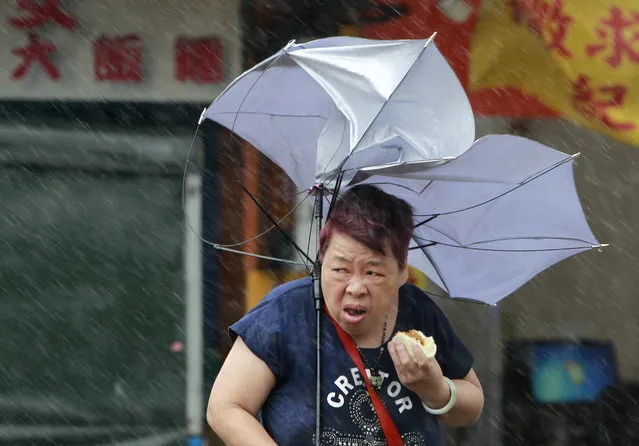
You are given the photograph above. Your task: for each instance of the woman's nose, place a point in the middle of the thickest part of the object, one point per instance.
(356, 286)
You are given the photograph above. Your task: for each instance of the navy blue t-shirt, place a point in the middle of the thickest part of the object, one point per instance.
(280, 330)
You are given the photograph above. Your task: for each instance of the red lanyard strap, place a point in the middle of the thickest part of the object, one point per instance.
(393, 438)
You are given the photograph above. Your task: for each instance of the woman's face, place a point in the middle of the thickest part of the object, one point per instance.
(360, 286)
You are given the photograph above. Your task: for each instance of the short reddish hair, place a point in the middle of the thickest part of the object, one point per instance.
(372, 217)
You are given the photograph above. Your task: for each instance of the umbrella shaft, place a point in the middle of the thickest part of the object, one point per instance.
(317, 295)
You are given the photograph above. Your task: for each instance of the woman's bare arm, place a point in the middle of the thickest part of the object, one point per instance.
(238, 393)
(469, 404)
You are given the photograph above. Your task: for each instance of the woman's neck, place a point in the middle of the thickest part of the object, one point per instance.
(372, 338)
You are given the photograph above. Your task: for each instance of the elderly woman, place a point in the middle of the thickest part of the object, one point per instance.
(264, 393)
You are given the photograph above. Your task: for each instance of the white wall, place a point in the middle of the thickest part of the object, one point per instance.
(158, 22)
(592, 294)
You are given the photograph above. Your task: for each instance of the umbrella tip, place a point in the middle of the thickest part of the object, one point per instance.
(600, 246)
(201, 117)
(575, 155)
(430, 39)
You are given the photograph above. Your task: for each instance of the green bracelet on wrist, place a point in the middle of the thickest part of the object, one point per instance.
(451, 401)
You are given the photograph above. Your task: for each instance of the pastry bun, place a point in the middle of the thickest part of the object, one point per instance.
(427, 343)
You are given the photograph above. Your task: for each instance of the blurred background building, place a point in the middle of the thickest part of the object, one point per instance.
(101, 274)
(100, 101)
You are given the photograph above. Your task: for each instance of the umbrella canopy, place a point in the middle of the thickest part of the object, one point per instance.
(343, 103)
(493, 218)
(490, 215)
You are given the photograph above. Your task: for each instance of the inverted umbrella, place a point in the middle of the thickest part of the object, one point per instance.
(492, 219)
(342, 103)
(490, 215)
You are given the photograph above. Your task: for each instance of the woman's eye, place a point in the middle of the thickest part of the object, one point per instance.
(373, 273)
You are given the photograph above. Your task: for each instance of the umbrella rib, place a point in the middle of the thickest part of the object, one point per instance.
(429, 219)
(335, 153)
(183, 197)
(276, 115)
(444, 234)
(239, 108)
(469, 300)
(331, 204)
(399, 84)
(335, 193)
(572, 239)
(436, 268)
(381, 183)
(310, 229)
(310, 232)
(426, 245)
(237, 251)
(450, 245)
(300, 251)
(430, 259)
(462, 299)
(523, 183)
(244, 242)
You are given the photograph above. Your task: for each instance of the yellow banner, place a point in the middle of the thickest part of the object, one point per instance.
(580, 57)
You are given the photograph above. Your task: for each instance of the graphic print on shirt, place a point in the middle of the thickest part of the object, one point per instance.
(349, 396)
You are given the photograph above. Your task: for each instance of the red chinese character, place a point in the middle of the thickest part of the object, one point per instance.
(35, 51)
(547, 19)
(198, 60)
(613, 34)
(595, 104)
(118, 59)
(41, 13)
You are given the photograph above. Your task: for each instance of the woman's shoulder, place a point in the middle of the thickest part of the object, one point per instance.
(288, 294)
(295, 289)
(418, 308)
(275, 309)
(414, 298)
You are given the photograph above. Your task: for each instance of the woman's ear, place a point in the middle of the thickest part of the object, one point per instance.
(405, 273)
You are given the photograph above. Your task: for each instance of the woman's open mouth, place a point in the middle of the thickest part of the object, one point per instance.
(353, 315)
